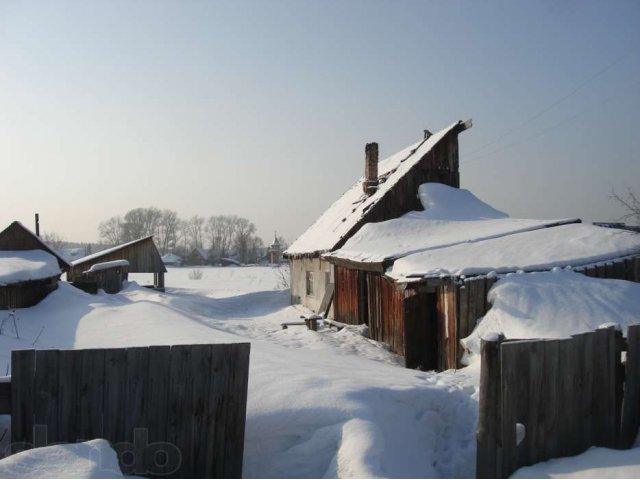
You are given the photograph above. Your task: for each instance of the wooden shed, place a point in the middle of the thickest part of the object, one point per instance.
(107, 276)
(421, 284)
(386, 191)
(29, 269)
(142, 255)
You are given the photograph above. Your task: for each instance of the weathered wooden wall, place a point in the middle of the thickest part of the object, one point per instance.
(385, 305)
(349, 295)
(26, 294)
(143, 257)
(186, 403)
(439, 165)
(323, 276)
(566, 394)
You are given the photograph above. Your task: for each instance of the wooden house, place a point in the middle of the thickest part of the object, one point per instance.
(386, 191)
(142, 256)
(420, 282)
(29, 268)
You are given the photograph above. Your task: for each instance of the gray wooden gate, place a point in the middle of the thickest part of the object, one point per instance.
(563, 395)
(171, 411)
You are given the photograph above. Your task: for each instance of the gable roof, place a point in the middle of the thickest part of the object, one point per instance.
(346, 212)
(18, 237)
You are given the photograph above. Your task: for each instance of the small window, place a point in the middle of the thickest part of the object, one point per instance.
(309, 283)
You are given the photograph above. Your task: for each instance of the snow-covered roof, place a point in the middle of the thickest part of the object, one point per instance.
(24, 265)
(96, 267)
(530, 306)
(202, 252)
(560, 246)
(350, 208)
(451, 216)
(107, 251)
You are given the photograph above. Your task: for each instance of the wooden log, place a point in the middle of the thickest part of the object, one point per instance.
(489, 433)
(631, 402)
(22, 378)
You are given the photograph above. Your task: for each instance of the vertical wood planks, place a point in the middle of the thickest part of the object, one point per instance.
(186, 403)
(22, 395)
(631, 403)
(489, 434)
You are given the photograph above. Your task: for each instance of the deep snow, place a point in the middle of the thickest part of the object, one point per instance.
(24, 265)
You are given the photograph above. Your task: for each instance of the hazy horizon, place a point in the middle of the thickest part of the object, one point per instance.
(262, 109)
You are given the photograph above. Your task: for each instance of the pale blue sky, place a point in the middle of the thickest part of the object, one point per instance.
(263, 108)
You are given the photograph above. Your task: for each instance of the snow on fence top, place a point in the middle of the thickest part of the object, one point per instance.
(348, 210)
(451, 216)
(106, 265)
(560, 246)
(555, 304)
(24, 265)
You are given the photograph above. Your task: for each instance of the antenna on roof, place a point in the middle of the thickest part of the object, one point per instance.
(427, 134)
(37, 224)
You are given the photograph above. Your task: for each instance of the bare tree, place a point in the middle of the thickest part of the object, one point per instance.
(111, 231)
(167, 231)
(243, 236)
(195, 231)
(54, 240)
(631, 204)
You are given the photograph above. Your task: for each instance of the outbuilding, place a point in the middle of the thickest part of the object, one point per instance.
(29, 269)
(142, 256)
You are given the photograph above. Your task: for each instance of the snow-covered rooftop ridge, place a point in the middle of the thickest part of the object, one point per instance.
(348, 210)
(452, 216)
(97, 267)
(171, 258)
(24, 265)
(107, 251)
(535, 250)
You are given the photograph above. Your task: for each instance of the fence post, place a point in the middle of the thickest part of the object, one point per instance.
(631, 401)
(488, 435)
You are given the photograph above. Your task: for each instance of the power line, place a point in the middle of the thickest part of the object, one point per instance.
(554, 104)
(544, 131)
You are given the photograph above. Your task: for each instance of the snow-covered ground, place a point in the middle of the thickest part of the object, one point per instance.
(326, 403)
(320, 403)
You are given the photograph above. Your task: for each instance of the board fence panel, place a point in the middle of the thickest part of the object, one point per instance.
(168, 411)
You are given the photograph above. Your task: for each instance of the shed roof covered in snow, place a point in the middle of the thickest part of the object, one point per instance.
(451, 216)
(349, 212)
(18, 237)
(457, 234)
(574, 245)
(25, 265)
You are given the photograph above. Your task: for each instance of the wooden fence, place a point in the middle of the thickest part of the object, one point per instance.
(543, 399)
(168, 411)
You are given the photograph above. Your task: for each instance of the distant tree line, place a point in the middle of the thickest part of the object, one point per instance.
(221, 235)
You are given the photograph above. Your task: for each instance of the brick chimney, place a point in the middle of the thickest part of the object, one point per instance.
(370, 168)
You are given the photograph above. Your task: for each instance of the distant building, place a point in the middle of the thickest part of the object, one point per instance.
(199, 256)
(274, 251)
(29, 269)
(172, 259)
